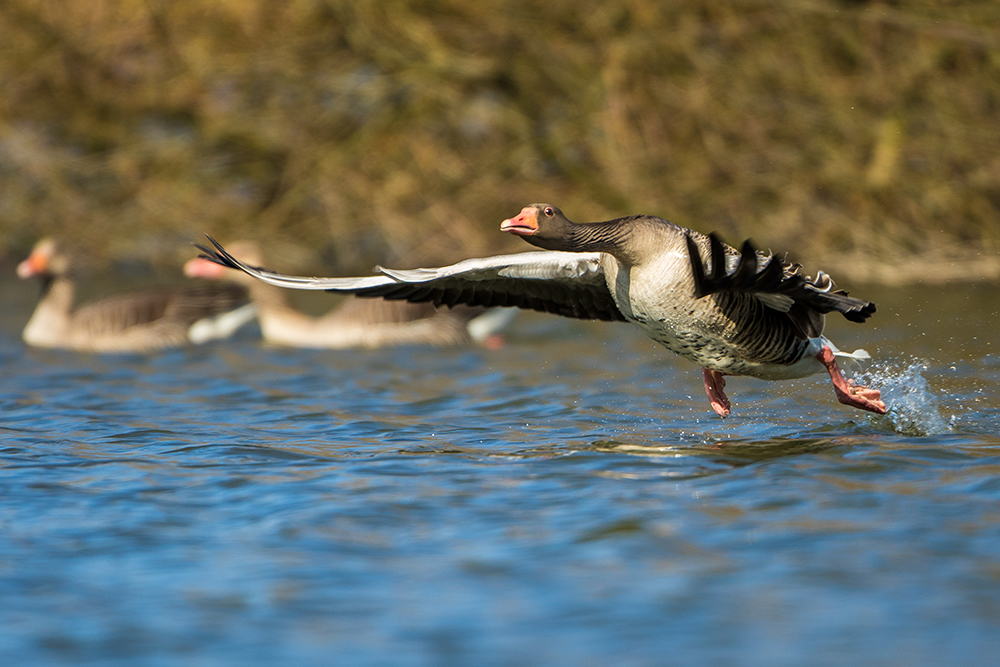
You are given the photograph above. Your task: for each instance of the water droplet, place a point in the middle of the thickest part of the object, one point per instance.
(911, 407)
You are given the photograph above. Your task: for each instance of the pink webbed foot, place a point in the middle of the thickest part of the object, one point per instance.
(847, 391)
(714, 385)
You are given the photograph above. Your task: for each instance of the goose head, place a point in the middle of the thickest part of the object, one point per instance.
(46, 260)
(545, 226)
(542, 225)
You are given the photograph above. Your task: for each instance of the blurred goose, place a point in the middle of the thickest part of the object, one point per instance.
(748, 313)
(136, 322)
(367, 323)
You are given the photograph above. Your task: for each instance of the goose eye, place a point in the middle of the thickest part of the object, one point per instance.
(548, 212)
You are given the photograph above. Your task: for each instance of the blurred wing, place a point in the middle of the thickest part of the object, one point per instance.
(167, 306)
(563, 283)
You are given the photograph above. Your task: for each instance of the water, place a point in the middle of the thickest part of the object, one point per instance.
(568, 500)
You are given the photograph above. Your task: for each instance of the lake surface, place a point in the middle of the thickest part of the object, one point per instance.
(570, 499)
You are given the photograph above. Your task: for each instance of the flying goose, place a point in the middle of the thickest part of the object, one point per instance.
(733, 312)
(367, 323)
(137, 322)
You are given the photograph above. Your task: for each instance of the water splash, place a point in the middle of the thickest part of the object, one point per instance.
(911, 407)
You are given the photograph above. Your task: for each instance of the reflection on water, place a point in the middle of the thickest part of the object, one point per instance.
(570, 499)
(732, 452)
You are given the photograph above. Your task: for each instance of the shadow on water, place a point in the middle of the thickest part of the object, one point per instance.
(734, 452)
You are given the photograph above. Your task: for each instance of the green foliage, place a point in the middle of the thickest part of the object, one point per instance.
(350, 132)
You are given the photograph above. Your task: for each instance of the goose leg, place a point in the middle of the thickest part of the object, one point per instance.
(714, 385)
(849, 393)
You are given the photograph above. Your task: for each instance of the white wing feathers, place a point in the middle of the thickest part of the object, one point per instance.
(564, 283)
(521, 266)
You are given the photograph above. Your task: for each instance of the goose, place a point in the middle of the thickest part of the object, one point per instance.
(369, 323)
(733, 312)
(137, 322)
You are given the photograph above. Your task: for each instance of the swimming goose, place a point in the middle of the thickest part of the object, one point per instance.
(367, 323)
(747, 313)
(136, 322)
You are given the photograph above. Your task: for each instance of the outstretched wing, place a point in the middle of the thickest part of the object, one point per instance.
(777, 284)
(563, 283)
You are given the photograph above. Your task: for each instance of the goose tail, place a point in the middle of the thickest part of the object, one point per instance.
(857, 355)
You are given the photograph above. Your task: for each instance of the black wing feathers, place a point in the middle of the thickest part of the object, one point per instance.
(775, 279)
(557, 298)
(568, 298)
(221, 256)
(745, 278)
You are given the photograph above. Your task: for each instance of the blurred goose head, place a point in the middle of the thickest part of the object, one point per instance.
(46, 260)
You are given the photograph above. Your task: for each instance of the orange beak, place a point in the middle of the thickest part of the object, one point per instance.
(36, 264)
(525, 224)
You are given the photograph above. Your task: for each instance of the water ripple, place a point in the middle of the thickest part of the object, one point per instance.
(569, 499)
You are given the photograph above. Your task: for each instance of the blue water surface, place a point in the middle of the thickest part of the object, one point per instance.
(569, 499)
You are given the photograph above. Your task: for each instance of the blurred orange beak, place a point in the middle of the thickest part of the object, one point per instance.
(36, 264)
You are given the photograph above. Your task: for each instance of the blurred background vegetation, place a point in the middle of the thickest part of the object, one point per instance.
(344, 133)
